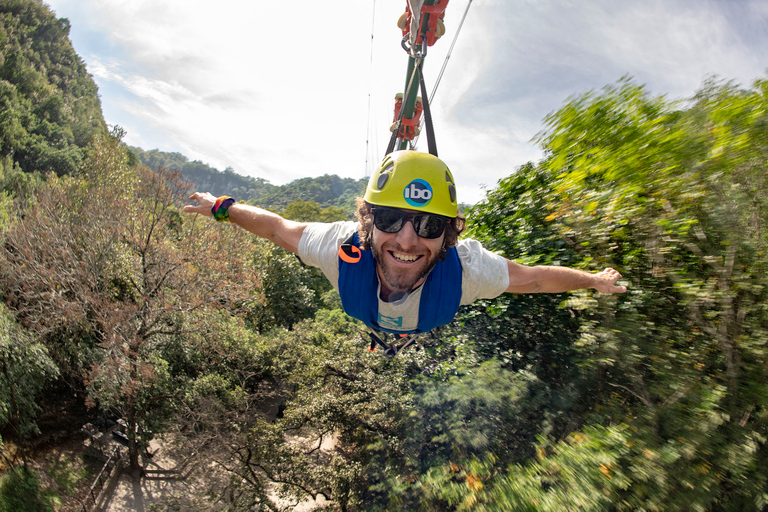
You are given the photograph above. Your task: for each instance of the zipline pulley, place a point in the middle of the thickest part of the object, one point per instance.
(435, 28)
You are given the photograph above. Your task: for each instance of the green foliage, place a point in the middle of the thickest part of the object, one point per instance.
(527, 332)
(17, 184)
(340, 391)
(220, 388)
(676, 200)
(580, 473)
(322, 199)
(653, 400)
(129, 274)
(287, 297)
(462, 412)
(328, 190)
(25, 368)
(309, 211)
(6, 204)
(20, 492)
(204, 177)
(49, 104)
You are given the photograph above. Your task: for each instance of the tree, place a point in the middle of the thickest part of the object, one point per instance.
(285, 293)
(25, 368)
(327, 190)
(106, 269)
(675, 198)
(526, 332)
(205, 177)
(49, 104)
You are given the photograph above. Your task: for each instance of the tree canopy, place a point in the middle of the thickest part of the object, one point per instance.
(49, 104)
(653, 400)
(328, 191)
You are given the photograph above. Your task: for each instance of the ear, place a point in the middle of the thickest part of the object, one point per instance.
(443, 252)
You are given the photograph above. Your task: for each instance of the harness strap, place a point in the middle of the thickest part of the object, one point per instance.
(406, 340)
(358, 288)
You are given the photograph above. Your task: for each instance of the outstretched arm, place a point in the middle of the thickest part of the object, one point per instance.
(551, 279)
(283, 232)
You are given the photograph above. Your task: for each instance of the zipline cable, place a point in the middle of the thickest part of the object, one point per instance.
(450, 51)
(445, 62)
(370, 87)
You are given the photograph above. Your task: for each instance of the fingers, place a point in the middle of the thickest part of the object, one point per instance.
(611, 276)
(189, 208)
(202, 197)
(205, 201)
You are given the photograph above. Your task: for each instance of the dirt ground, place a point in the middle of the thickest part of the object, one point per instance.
(65, 472)
(162, 491)
(170, 494)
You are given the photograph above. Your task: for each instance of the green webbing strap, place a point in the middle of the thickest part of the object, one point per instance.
(431, 143)
(398, 122)
(417, 68)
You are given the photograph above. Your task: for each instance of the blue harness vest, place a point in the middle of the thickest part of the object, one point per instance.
(359, 285)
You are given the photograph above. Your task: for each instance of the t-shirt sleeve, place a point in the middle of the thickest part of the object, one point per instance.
(484, 273)
(319, 246)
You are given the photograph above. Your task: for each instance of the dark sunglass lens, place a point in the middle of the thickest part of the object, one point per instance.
(426, 225)
(429, 226)
(388, 221)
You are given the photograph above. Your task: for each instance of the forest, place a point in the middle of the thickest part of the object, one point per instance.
(328, 191)
(115, 302)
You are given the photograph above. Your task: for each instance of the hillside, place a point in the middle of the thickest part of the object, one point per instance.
(49, 104)
(328, 190)
(204, 176)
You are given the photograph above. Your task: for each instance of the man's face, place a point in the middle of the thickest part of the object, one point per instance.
(404, 258)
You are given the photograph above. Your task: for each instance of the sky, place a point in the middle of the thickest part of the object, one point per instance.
(285, 90)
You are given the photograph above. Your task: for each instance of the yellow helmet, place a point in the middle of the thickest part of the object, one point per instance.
(413, 181)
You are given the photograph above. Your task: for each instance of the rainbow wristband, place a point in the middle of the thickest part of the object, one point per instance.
(220, 208)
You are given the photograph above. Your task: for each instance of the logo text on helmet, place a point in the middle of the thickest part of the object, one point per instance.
(418, 193)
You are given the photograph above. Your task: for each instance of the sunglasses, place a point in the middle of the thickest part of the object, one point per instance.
(426, 225)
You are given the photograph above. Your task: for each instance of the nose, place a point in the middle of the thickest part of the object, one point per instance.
(407, 236)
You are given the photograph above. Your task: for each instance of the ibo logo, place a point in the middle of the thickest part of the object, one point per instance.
(418, 193)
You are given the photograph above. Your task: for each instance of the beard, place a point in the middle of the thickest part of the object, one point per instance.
(398, 278)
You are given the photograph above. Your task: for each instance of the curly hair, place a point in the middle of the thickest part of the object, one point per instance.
(365, 217)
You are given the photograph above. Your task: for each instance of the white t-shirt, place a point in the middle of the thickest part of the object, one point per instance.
(484, 274)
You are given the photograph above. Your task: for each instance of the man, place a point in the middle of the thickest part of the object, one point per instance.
(401, 267)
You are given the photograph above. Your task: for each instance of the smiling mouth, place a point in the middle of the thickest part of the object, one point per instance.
(405, 258)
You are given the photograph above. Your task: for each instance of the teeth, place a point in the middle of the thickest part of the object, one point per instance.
(405, 257)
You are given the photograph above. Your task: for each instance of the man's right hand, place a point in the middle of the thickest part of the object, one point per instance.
(205, 201)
